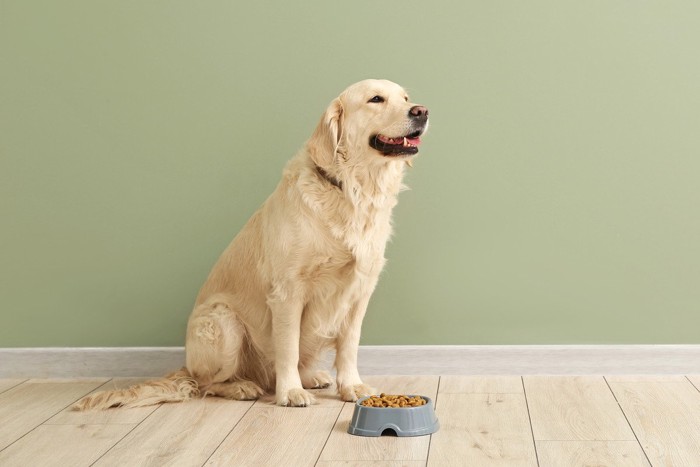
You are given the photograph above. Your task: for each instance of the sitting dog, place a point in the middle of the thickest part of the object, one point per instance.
(297, 279)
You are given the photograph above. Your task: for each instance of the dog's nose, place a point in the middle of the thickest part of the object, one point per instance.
(418, 111)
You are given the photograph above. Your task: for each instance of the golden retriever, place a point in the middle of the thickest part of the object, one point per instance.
(297, 279)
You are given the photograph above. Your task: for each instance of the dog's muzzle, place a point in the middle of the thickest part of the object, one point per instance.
(407, 144)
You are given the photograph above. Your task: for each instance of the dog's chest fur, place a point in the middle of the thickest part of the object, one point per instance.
(354, 224)
(358, 241)
(351, 231)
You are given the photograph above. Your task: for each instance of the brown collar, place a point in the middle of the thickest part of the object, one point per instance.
(329, 178)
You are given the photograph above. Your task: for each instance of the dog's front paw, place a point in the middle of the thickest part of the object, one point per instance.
(295, 397)
(354, 392)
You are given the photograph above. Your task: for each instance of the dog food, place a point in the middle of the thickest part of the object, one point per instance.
(396, 401)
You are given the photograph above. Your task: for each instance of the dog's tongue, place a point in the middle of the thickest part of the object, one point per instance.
(413, 141)
(402, 140)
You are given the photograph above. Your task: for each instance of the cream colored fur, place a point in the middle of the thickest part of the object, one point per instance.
(297, 279)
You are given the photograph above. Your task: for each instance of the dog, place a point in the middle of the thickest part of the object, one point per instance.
(297, 278)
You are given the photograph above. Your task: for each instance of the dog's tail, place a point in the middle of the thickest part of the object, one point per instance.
(175, 387)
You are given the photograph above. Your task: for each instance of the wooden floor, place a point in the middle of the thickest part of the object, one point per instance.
(541, 421)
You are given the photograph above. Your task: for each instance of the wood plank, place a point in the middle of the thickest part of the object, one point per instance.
(484, 430)
(342, 446)
(28, 405)
(270, 435)
(644, 378)
(8, 383)
(421, 385)
(63, 445)
(370, 464)
(112, 416)
(184, 433)
(590, 453)
(481, 385)
(571, 408)
(665, 417)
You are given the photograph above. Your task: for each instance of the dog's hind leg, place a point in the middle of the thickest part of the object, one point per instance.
(311, 376)
(214, 346)
(315, 379)
(214, 341)
(215, 337)
(236, 390)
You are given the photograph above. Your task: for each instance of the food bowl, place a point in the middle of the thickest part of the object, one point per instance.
(401, 421)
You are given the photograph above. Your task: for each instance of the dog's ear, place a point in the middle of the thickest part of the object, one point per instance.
(326, 141)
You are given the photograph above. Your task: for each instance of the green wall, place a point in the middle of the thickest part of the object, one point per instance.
(556, 198)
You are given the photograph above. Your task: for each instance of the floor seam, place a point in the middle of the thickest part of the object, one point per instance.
(529, 419)
(627, 420)
(136, 425)
(13, 386)
(53, 414)
(318, 459)
(229, 433)
(430, 441)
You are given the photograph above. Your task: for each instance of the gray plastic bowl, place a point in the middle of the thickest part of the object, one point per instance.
(404, 421)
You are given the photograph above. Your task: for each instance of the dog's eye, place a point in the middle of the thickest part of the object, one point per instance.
(376, 99)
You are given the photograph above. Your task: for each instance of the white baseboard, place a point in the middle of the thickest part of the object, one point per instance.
(79, 362)
(530, 359)
(378, 360)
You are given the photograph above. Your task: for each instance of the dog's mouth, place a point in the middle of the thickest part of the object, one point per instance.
(397, 145)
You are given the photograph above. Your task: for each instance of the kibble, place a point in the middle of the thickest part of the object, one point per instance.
(395, 401)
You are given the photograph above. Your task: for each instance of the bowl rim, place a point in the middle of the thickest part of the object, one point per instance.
(429, 402)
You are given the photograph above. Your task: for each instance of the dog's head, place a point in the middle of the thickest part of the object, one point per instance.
(373, 119)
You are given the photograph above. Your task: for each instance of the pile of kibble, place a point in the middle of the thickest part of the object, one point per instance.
(388, 400)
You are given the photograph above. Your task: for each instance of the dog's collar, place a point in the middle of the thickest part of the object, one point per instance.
(329, 178)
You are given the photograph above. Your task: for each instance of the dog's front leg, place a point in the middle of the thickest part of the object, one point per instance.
(286, 324)
(350, 385)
